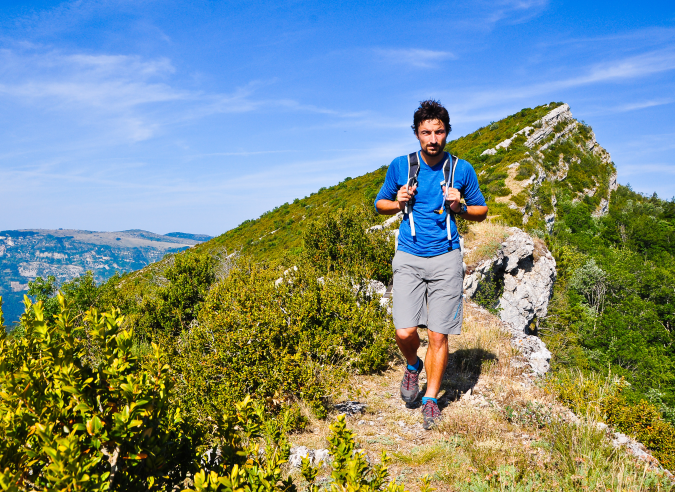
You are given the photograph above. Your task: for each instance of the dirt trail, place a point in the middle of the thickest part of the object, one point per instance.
(482, 369)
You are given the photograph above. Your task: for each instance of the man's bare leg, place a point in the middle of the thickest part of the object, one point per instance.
(408, 341)
(435, 362)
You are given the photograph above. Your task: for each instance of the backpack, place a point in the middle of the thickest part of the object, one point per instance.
(449, 177)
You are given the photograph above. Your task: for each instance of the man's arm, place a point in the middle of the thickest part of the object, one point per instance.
(392, 207)
(474, 213)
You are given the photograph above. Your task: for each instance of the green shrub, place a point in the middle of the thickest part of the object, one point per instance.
(340, 242)
(350, 469)
(644, 422)
(282, 336)
(71, 425)
(601, 398)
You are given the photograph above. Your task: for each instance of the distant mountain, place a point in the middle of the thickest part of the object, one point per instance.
(66, 253)
(185, 235)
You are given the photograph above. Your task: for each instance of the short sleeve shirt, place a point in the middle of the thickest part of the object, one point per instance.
(431, 237)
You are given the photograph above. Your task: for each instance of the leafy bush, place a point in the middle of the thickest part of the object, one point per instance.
(644, 422)
(279, 336)
(178, 302)
(74, 423)
(69, 424)
(601, 398)
(339, 242)
(490, 291)
(350, 469)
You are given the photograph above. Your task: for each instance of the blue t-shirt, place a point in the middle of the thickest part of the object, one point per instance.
(431, 235)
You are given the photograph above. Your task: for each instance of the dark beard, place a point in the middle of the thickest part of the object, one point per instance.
(439, 151)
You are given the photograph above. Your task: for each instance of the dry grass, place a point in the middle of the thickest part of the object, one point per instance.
(483, 240)
(482, 444)
(512, 184)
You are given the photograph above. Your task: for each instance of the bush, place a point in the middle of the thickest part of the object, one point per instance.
(262, 472)
(69, 424)
(72, 423)
(282, 336)
(340, 242)
(644, 422)
(601, 398)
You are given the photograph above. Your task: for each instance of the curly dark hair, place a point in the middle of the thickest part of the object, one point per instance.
(431, 110)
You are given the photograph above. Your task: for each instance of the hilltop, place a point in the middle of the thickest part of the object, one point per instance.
(526, 163)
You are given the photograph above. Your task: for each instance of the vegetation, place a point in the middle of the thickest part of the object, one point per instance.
(289, 317)
(281, 231)
(81, 412)
(286, 331)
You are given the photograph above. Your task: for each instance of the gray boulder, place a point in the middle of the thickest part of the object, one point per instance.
(527, 270)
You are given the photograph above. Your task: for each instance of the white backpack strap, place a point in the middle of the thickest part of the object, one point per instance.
(454, 160)
(413, 171)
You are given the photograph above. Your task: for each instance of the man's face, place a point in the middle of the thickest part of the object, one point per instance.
(432, 136)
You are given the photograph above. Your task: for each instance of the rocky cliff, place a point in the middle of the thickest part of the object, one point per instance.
(524, 270)
(529, 162)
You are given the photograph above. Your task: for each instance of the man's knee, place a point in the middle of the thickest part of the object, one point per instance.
(437, 340)
(405, 334)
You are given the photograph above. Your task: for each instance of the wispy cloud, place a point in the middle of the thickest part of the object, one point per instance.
(412, 57)
(133, 96)
(486, 14)
(632, 106)
(515, 11)
(477, 104)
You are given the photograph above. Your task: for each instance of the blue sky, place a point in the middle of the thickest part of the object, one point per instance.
(194, 116)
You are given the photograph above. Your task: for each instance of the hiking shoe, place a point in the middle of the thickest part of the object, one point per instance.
(432, 414)
(410, 385)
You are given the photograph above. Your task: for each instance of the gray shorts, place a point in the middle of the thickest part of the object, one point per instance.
(428, 291)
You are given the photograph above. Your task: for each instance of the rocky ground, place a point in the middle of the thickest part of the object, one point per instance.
(501, 429)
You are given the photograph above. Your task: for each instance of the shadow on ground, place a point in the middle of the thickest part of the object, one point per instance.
(464, 368)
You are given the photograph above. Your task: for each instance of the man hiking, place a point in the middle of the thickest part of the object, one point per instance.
(428, 275)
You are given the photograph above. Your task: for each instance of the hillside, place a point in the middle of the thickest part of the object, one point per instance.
(287, 309)
(66, 254)
(526, 164)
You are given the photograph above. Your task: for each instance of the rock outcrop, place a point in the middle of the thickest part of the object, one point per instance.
(527, 270)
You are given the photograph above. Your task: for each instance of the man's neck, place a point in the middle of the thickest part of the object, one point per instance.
(431, 160)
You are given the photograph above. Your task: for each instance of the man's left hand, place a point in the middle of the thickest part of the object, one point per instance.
(453, 196)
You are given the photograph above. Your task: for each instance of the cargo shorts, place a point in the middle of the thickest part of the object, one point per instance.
(428, 291)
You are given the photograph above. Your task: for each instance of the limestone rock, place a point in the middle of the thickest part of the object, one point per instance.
(299, 452)
(548, 122)
(528, 283)
(528, 272)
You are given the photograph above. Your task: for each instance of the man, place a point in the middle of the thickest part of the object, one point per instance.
(428, 272)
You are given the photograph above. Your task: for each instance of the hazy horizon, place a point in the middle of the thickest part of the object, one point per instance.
(195, 116)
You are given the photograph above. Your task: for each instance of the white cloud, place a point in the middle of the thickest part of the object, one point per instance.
(412, 57)
(486, 14)
(516, 11)
(486, 104)
(132, 97)
(632, 106)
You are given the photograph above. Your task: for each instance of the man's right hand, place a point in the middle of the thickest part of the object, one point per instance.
(404, 195)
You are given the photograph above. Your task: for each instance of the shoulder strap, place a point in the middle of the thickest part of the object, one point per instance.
(413, 171)
(413, 168)
(449, 176)
(454, 160)
(449, 170)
